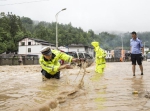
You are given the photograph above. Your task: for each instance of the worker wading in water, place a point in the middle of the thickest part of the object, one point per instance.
(49, 62)
(99, 58)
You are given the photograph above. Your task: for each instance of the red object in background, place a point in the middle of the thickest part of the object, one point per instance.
(61, 61)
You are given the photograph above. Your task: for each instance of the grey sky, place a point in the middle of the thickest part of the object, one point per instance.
(98, 15)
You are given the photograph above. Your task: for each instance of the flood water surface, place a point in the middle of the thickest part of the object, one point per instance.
(22, 89)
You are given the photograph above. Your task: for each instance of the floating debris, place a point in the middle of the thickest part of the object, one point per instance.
(135, 92)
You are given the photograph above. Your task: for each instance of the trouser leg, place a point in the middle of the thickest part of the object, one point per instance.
(99, 69)
(57, 75)
(48, 76)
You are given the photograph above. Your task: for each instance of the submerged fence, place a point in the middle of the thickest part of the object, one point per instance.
(15, 61)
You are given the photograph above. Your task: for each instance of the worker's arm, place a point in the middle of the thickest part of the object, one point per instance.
(104, 54)
(130, 45)
(66, 57)
(101, 54)
(141, 45)
(143, 50)
(130, 49)
(66, 66)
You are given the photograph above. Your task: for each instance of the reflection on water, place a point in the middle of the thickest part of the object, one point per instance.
(100, 102)
(97, 77)
(137, 85)
(22, 88)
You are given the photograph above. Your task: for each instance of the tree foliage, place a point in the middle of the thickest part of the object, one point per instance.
(13, 28)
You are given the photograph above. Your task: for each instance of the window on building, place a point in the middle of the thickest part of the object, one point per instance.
(29, 43)
(29, 49)
(22, 43)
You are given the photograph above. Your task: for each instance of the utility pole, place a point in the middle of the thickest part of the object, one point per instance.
(57, 28)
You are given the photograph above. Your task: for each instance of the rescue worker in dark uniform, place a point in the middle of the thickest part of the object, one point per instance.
(136, 54)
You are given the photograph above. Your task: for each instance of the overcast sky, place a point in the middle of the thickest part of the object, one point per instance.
(98, 15)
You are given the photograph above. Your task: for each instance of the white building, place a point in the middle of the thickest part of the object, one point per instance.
(108, 54)
(32, 46)
(79, 48)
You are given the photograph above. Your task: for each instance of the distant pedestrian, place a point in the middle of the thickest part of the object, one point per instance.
(136, 54)
(20, 60)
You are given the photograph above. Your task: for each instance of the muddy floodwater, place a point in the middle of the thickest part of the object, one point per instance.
(22, 89)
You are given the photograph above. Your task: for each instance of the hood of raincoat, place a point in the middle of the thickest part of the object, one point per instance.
(95, 44)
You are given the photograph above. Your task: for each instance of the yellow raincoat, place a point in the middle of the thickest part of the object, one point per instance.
(99, 58)
(52, 66)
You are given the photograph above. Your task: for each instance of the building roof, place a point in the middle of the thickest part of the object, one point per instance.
(43, 42)
(79, 45)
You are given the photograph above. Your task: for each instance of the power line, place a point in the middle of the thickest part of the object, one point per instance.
(24, 2)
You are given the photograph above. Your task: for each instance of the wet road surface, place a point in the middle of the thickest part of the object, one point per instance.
(22, 89)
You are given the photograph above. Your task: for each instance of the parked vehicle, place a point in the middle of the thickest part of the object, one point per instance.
(127, 56)
(148, 56)
(82, 55)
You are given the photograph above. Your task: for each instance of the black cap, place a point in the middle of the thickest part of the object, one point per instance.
(133, 32)
(46, 51)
